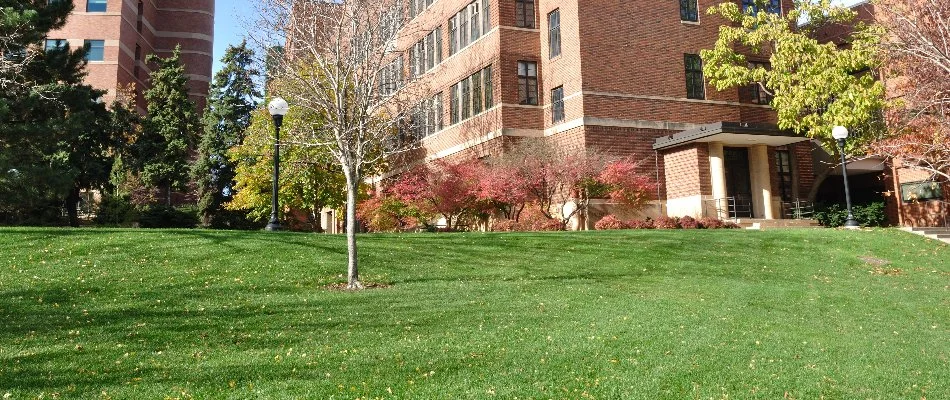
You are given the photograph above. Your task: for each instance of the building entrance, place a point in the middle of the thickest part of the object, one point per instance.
(738, 181)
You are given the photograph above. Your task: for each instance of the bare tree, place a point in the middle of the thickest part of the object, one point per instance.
(918, 46)
(341, 66)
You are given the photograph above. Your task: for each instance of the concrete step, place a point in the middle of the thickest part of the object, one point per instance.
(942, 234)
(932, 231)
(756, 223)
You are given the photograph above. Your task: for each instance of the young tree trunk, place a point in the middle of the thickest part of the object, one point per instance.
(352, 189)
(72, 206)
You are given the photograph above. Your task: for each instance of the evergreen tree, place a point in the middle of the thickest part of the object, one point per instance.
(56, 137)
(232, 100)
(161, 154)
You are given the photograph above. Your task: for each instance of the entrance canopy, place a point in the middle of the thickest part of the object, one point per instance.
(734, 134)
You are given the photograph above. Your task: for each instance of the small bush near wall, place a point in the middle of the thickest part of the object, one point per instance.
(609, 222)
(666, 223)
(835, 215)
(641, 224)
(712, 223)
(688, 222)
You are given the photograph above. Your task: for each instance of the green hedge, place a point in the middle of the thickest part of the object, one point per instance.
(835, 215)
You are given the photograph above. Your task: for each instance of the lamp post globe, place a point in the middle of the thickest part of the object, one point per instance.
(840, 134)
(278, 107)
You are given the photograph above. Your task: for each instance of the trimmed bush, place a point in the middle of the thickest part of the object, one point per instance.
(712, 223)
(641, 224)
(168, 217)
(835, 215)
(610, 222)
(688, 222)
(666, 223)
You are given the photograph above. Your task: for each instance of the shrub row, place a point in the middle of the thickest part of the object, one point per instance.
(611, 221)
(835, 215)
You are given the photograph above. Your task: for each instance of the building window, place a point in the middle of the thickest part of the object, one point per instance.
(138, 52)
(391, 78)
(96, 6)
(426, 118)
(754, 93)
(695, 87)
(471, 96)
(783, 165)
(454, 97)
(689, 10)
(426, 54)
(524, 13)
(920, 191)
(489, 89)
(527, 82)
(771, 6)
(96, 50)
(554, 33)
(55, 44)
(468, 25)
(557, 104)
(416, 7)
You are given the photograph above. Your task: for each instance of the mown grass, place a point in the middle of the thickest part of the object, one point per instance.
(805, 314)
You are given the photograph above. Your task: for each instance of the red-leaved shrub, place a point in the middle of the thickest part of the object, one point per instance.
(731, 225)
(688, 222)
(609, 222)
(640, 224)
(504, 225)
(666, 223)
(712, 223)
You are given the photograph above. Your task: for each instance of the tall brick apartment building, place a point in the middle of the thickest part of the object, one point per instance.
(621, 77)
(121, 33)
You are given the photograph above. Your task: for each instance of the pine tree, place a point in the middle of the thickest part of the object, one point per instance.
(161, 155)
(232, 100)
(56, 138)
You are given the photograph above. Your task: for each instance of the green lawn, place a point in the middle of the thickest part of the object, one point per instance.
(807, 314)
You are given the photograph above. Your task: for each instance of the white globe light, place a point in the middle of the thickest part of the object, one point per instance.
(278, 106)
(839, 132)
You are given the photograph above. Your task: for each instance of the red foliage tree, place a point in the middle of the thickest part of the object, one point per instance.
(443, 188)
(625, 185)
(919, 58)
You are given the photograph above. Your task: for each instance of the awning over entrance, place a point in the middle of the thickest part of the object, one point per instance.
(731, 134)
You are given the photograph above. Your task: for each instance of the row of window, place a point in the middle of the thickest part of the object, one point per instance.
(471, 96)
(469, 24)
(426, 54)
(426, 118)
(689, 9)
(96, 48)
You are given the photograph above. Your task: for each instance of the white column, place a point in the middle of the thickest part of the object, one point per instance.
(717, 174)
(761, 181)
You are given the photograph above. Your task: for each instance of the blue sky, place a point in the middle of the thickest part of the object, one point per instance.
(233, 16)
(230, 25)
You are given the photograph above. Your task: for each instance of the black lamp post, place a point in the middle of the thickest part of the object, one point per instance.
(278, 108)
(840, 134)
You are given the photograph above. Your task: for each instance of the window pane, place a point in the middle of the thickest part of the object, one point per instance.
(489, 88)
(554, 33)
(689, 10)
(476, 93)
(96, 6)
(557, 104)
(695, 87)
(96, 50)
(55, 44)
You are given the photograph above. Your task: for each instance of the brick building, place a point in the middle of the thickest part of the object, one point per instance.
(121, 33)
(914, 197)
(623, 78)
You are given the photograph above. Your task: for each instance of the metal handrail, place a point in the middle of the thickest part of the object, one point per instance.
(798, 209)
